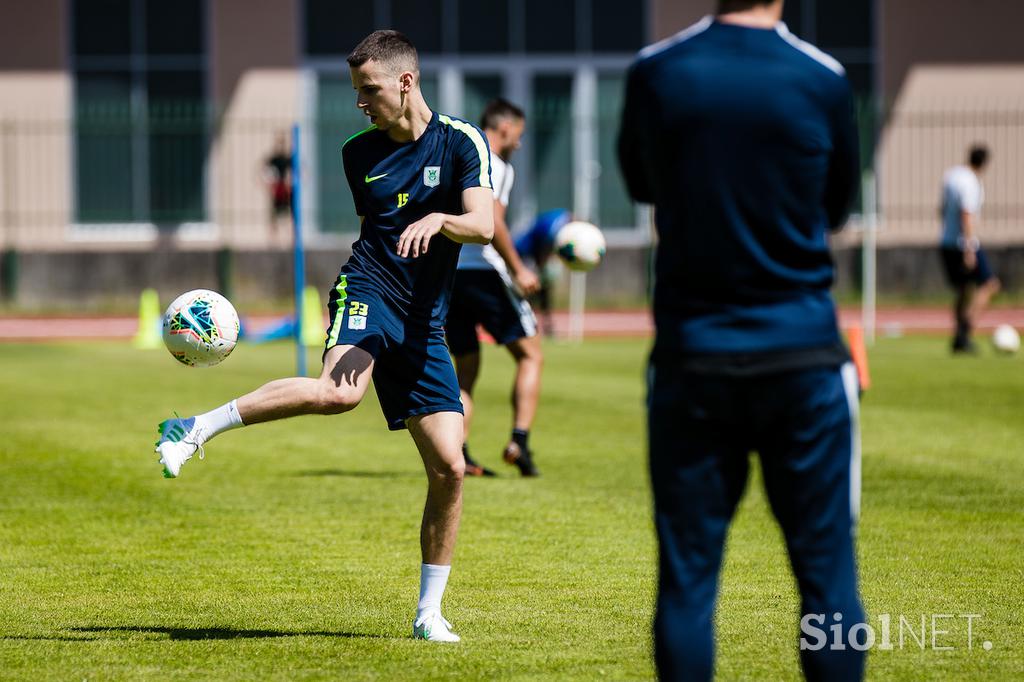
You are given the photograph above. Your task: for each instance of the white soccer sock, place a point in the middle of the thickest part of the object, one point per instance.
(224, 418)
(433, 579)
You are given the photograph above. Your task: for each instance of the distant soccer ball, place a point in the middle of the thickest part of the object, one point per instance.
(200, 328)
(581, 245)
(1006, 339)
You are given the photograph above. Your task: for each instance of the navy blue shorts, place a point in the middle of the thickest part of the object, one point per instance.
(958, 274)
(413, 372)
(486, 298)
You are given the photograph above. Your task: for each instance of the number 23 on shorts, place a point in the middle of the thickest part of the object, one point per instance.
(357, 315)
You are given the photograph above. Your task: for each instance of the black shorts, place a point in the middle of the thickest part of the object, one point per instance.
(412, 373)
(487, 298)
(958, 274)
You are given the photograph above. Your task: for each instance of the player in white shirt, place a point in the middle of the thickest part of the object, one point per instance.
(490, 288)
(966, 265)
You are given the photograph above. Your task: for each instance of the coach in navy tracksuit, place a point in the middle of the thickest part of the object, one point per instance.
(742, 136)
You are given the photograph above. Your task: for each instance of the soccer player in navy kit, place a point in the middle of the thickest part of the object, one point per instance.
(743, 138)
(413, 174)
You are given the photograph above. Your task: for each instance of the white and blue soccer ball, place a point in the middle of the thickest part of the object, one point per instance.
(580, 245)
(200, 328)
(1005, 339)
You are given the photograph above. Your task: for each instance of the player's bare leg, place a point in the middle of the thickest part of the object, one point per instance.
(467, 369)
(339, 388)
(438, 437)
(526, 390)
(525, 396)
(983, 293)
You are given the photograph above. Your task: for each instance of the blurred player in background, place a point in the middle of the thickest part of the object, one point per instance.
(490, 286)
(414, 174)
(277, 174)
(537, 243)
(743, 138)
(965, 262)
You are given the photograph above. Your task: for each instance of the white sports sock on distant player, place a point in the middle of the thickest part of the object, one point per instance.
(433, 579)
(224, 418)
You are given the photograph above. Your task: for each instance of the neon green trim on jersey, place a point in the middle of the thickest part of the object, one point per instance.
(373, 127)
(332, 337)
(481, 146)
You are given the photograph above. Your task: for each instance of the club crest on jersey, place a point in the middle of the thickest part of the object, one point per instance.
(432, 176)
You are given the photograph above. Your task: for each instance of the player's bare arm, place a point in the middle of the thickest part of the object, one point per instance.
(969, 239)
(524, 277)
(475, 226)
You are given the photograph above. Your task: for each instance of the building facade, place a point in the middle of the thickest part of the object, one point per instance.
(126, 124)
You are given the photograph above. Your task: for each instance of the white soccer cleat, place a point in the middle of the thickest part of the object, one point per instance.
(432, 627)
(179, 440)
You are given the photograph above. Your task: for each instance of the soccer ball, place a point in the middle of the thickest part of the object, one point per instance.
(200, 328)
(581, 245)
(1006, 339)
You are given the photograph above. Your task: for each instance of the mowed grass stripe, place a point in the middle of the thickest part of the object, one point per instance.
(292, 552)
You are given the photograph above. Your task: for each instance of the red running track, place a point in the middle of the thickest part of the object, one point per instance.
(890, 321)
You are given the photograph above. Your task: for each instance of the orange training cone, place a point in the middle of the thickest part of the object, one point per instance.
(855, 336)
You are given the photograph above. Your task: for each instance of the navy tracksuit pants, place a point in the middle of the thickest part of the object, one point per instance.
(701, 429)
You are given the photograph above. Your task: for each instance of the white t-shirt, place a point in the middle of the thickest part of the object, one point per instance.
(484, 256)
(961, 192)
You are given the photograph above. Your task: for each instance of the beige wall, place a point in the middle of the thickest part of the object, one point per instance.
(35, 99)
(250, 34)
(953, 73)
(254, 83)
(257, 86)
(940, 112)
(671, 16)
(946, 32)
(33, 36)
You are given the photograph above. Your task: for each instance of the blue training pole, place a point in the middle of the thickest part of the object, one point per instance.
(297, 252)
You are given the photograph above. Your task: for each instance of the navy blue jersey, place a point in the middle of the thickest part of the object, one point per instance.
(744, 141)
(394, 184)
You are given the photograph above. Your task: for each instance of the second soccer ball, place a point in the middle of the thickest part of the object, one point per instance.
(580, 245)
(1006, 339)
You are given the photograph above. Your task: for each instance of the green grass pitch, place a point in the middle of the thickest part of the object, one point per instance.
(291, 552)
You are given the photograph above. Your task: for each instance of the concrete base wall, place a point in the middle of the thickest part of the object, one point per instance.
(103, 281)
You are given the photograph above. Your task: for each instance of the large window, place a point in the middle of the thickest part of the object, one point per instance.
(843, 29)
(614, 207)
(552, 135)
(477, 91)
(334, 27)
(140, 116)
(483, 26)
(562, 62)
(550, 26)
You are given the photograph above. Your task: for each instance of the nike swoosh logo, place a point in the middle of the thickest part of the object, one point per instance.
(196, 327)
(375, 177)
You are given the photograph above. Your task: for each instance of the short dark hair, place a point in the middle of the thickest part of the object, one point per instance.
(978, 156)
(727, 6)
(388, 47)
(497, 110)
